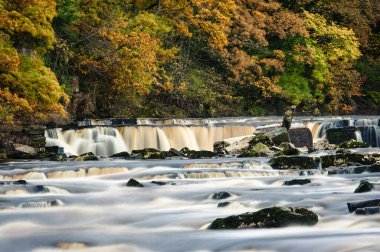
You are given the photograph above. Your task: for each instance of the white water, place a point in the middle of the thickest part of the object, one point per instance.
(97, 212)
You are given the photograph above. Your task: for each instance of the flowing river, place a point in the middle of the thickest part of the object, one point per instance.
(88, 207)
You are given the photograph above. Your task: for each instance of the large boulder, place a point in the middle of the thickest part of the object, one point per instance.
(288, 149)
(293, 163)
(233, 145)
(279, 135)
(301, 137)
(340, 135)
(274, 217)
(258, 150)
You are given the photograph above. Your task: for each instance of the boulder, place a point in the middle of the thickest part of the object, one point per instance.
(340, 135)
(148, 153)
(296, 182)
(232, 145)
(274, 217)
(192, 154)
(279, 135)
(351, 144)
(221, 195)
(322, 144)
(258, 150)
(288, 149)
(122, 154)
(352, 206)
(293, 163)
(89, 156)
(364, 186)
(24, 149)
(367, 210)
(134, 183)
(346, 159)
(301, 137)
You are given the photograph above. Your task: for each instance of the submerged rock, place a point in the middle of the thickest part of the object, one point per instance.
(340, 135)
(293, 163)
(221, 195)
(41, 204)
(223, 204)
(297, 182)
(273, 217)
(351, 144)
(17, 182)
(355, 170)
(160, 183)
(134, 183)
(364, 186)
(352, 206)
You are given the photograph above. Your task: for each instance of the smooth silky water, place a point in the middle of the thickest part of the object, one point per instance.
(87, 206)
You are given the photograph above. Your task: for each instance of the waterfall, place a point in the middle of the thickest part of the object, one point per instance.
(106, 140)
(368, 129)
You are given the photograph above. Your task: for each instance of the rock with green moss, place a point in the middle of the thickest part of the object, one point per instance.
(258, 150)
(148, 153)
(288, 149)
(192, 154)
(341, 135)
(347, 159)
(260, 138)
(273, 217)
(293, 163)
(89, 156)
(364, 186)
(351, 144)
(279, 136)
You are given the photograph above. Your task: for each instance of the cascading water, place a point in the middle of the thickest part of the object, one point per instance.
(368, 129)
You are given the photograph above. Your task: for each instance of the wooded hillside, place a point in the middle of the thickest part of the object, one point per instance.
(187, 58)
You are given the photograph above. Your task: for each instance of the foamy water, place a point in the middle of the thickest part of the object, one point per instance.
(97, 212)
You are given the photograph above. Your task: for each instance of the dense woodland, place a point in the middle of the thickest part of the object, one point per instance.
(187, 58)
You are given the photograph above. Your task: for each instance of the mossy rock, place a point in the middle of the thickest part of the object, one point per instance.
(293, 163)
(258, 150)
(192, 154)
(351, 144)
(346, 159)
(3, 156)
(122, 154)
(364, 186)
(260, 138)
(288, 149)
(341, 135)
(274, 217)
(148, 153)
(58, 157)
(89, 156)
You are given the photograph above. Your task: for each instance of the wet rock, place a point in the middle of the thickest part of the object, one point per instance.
(233, 145)
(279, 135)
(352, 206)
(346, 159)
(41, 204)
(297, 182)
(173, 152)
(258, 150)
(134, 183)
(122, 154)
(192, 154)
(340, 135)
(221, 195)
(55, 149)
(301, 137)
(17, 182)
(288, 149)
(274, 217)
(223, 204)
(364, 186)
(89, 156)
(322, 144)
(356, 170)
(58, 157)
(160, 183)
(293, 163)
(148, 153)
(351, 144)
(367, 211)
